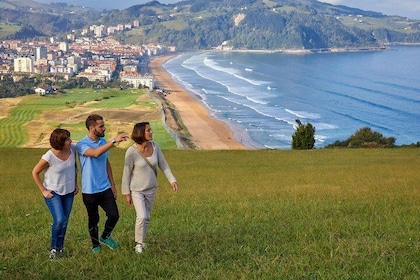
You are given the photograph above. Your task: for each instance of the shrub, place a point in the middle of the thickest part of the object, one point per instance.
(304, 136)
(365, 138)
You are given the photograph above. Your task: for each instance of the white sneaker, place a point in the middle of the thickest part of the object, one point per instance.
(53, 254)
(138, 248)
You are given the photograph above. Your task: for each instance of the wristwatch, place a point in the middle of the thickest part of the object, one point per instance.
(113, 140)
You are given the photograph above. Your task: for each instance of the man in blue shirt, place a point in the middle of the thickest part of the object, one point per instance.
(98, 187)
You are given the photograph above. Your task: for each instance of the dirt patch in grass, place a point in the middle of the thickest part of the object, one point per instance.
(6, 104)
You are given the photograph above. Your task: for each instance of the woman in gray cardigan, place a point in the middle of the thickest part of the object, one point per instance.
(139, 181)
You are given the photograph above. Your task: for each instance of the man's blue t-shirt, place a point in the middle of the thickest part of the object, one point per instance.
(94, 171)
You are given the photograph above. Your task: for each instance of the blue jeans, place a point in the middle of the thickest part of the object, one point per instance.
(60, 207)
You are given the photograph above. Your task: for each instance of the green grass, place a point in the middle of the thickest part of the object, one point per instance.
(7, 29)
(263, 214)
(177, 24)
(369, 23)
(13, 130)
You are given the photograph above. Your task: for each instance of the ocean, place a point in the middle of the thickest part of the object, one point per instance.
(260, 95)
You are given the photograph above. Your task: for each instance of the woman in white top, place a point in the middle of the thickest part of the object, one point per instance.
(59, 185)
(139, 181)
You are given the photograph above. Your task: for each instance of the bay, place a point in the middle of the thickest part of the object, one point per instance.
(260, 95)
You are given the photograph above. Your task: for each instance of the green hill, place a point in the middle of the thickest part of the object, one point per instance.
(24, 19)
(267, 24)
(205, 24)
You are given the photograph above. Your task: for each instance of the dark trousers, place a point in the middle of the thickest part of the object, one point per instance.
(107, 202)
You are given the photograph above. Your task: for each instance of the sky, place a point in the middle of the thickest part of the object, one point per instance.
(406, 8)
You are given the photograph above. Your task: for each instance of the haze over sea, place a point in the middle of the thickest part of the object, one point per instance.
(260, 95)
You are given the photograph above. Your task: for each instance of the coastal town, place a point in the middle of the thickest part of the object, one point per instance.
(91, 54)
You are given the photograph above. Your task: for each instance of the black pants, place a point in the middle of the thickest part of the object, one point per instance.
(107, 202)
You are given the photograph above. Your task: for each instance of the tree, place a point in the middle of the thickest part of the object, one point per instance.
(365, 138)
(304, 136)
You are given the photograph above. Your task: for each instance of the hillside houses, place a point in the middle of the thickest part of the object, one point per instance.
(95, 59)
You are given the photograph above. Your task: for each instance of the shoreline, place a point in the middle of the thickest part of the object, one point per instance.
(204, 131)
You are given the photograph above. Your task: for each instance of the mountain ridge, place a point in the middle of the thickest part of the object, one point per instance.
(240, 24)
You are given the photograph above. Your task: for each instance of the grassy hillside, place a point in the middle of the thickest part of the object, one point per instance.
(206, 24)
(7, 29)
(18, 4)
(31, 19)
(319, 214)
(263, 24)
(29, 122)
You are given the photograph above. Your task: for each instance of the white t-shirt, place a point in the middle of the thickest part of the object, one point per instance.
(60, 176)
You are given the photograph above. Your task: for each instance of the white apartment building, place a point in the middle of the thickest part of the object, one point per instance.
(111, 30)
(60, 69)
(23, 65)
(99, 31)
(71, 37)
(74, 62)
(95, 74)
(63, 46)
(135, 79)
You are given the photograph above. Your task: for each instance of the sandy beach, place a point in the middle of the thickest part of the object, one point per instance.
(206, 133)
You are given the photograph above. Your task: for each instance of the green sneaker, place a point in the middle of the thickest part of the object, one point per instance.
(109, 242)
(96, 249)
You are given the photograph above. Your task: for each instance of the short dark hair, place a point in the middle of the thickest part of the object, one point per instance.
(92, 119)
(138, 132)
(58, 137)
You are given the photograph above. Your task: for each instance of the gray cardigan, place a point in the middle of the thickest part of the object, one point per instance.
(138, 175)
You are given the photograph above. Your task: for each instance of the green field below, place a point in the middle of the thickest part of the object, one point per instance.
(15, 130)
(260, 214)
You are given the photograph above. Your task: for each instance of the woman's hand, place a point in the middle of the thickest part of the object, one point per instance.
(175, 186)
(128, 199)
(47, 193)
